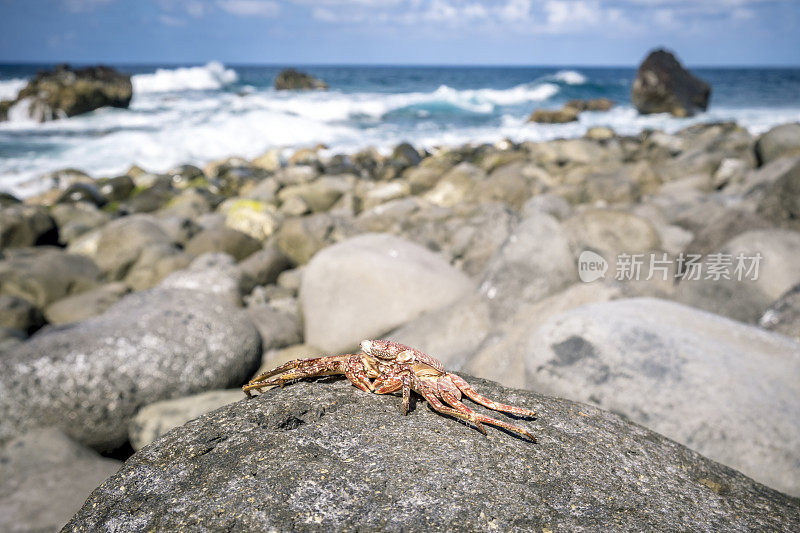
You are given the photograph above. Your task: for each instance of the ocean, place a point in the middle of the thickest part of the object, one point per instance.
(195, 114)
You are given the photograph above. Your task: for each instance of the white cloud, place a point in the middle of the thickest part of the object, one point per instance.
(258, 8)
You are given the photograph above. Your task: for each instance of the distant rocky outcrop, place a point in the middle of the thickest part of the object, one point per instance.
(65, 92)
(292, 80)
(570, 111)
(662, 85)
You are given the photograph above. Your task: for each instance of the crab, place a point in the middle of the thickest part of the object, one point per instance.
(385, 367)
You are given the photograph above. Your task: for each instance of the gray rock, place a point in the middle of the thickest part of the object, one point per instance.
(215, 274)
(155, 262)
(91, 377)
(262, 268)
(662, 85)
(120, 242)
(44, 479)
(290, 79)
(230, 241)
(327, 457)
(19, 314)
(780, 200)
(535, 261)
(68, 92)
(85, 305)
(26, 225)
(302, 237)
(43, 275)
(277, 328)
(780, 141)
(722, 388)
(368, 285)
(783, 316)
(746, 299)
(610, 232)
(74, 220)
(156, 419)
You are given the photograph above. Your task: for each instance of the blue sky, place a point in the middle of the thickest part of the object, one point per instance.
(502, 32)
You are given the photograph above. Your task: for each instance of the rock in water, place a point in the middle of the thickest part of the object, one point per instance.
(662, 85)
(90, 378)
(326, 456)
(67, 92)
(292, 80)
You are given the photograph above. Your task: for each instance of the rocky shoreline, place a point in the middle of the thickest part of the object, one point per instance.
(121, 298)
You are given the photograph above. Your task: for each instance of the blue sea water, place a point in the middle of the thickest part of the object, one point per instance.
(194, 114)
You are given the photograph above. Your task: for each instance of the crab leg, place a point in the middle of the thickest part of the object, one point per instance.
(350, 365)
(394, 380)
(472, 394)
(452, 400)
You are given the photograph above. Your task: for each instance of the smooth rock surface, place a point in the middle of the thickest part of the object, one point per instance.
(780, 141)
(725, 389)
(44, 479)
(156, 419)
(363, 287)
(326, 456)
(90, 378)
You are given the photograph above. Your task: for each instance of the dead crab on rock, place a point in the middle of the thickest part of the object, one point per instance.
(384, 367)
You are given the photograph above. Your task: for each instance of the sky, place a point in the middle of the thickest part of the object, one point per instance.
(389, 32)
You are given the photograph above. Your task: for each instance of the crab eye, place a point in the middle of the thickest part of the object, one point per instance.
(405, 356)
(366, 347)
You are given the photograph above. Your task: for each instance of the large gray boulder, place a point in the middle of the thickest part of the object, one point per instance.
(26, 225)
(366, 286)
(326, 456)
(44, 479)
(90, 378)
(780, 141)
(662, 85)
(722, 388)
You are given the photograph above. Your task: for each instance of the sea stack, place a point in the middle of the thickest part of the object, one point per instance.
(662, 85)
(64, 92)
(292, 80)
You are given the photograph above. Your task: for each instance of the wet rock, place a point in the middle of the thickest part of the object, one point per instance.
(392, 278)
(84, 305)
(783, 316)
(226, 240)
(44, 479)
(554, 116)
(406, 155)
(149, 199)
(82, 192)
(662, 85)
(44, 275)
(91, 377)
(117, 188)
(26, 225)
(592, 104)
(720, 387)
(156, 419)
(64, 92)
(338, 472)
(783, 140)
(292, 80)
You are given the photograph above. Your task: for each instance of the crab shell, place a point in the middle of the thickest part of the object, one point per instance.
(394, 351)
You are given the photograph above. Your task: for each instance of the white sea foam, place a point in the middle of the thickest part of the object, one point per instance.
(211, 76)
(570, 77)
(10, 88)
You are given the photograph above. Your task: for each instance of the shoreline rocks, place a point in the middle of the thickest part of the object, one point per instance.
(293, 80)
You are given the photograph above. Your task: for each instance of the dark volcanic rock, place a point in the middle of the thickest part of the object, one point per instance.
(290, 80)
(662, 85)
(67, 92)
(554, 116)
(327, 457)
(90, 378)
